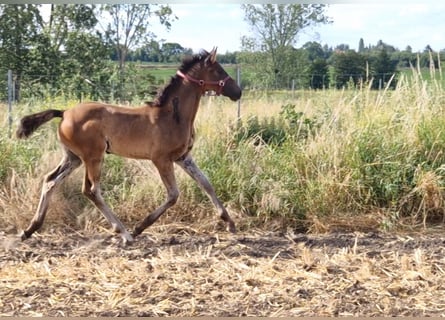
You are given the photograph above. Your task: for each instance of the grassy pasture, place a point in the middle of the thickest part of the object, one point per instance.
(340, 161)
(306, 160)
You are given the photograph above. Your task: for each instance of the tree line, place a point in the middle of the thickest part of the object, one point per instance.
(77, 48)
(95, 51)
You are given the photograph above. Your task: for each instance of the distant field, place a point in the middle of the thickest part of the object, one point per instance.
(425, 74)
(163, 72)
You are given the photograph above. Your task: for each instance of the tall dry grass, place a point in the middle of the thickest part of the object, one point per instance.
(308, 160)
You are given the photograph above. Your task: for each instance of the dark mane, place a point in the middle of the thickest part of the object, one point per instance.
(187, 64)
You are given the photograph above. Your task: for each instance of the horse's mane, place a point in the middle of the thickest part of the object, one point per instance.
(187, 64)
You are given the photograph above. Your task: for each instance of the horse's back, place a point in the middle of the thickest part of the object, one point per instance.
(106, 127)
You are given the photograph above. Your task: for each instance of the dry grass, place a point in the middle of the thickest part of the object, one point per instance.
(184, 265)
(178, 272)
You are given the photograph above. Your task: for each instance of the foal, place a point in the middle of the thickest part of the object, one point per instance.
(161, 131)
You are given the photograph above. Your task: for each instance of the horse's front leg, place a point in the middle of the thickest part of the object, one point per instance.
(166, 171)
(188, 164)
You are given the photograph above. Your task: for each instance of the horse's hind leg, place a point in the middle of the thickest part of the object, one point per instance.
(188, 164)
(91, 189)
(68, 164)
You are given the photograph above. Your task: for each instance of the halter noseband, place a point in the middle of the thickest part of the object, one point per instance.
(202, 83)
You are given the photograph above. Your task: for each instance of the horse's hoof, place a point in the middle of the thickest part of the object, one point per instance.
(136, 232)
(127, 239)
(231, 227)
(23, 236)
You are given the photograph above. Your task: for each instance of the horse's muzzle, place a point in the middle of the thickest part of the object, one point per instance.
(232, 90)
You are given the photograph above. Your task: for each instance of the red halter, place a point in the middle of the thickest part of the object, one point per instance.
(202, 83)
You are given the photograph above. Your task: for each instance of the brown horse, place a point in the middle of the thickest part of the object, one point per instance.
(161, 131)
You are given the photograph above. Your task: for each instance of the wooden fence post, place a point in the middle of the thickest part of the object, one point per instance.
(10, 98)
(238, 81)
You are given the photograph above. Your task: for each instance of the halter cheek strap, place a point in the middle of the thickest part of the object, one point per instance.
(202, 83)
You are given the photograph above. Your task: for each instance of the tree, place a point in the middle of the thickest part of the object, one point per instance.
(129, 25)
(342, 47)
(128, 28)
(314, 50)
(253, 73)
(382, 70)
(276, 27)
(405, 58)
(172, 52)
(150, 51)
(69, 52)
(295, 69)
(84, 70)
(66, 18)
(19, 28)
(319, 74)
(348, 66)
(361, 46)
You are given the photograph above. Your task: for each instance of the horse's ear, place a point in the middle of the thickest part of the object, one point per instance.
(212, 56)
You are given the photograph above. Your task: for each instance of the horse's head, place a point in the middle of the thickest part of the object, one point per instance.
(210, 75)
(218, 79)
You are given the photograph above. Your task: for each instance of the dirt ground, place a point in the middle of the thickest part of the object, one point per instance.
(176, 271)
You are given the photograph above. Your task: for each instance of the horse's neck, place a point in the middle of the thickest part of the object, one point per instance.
(186, 102)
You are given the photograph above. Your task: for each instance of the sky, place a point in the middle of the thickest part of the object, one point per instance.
(400, 23)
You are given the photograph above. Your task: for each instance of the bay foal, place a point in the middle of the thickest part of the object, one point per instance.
(161, 131)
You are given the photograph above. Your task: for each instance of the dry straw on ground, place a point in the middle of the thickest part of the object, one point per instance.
(180, 272)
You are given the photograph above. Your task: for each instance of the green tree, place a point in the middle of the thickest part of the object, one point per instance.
(85, 70)
(315, 50)
(275, 30)
(129, 25)
(69, 53)
(172, 52)
(296, 70)
(66, 18)
(342, 47)
(405, 58)
(348, 66)
(227, 58)
(128, 28)
(254, 75)
(150, 51)
(20, 26)
(361, 46)
(318, 74)
(382, 70)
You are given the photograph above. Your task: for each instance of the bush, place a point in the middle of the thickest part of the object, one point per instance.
(274, 131)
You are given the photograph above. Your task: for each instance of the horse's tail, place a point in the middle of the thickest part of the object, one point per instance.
(29, 124)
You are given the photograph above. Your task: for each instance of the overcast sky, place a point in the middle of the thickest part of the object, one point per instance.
(399, 24)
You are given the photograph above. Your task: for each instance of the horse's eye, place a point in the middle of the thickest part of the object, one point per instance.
(220, 72)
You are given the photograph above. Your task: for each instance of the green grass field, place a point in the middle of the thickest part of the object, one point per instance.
(306, 160)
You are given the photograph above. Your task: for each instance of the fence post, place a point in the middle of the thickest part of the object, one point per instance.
(238, 81)
(10, 97)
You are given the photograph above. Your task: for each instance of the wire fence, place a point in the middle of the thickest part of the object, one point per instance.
(143, 86)
(38, 88)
